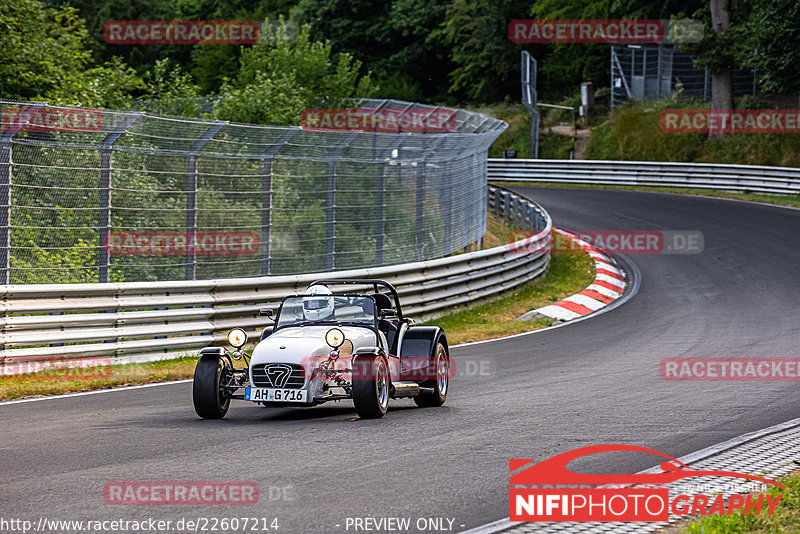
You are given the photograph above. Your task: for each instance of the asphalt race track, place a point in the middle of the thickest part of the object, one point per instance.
(593, 382)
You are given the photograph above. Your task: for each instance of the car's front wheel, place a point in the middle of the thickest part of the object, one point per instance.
(439, 383)
(210, 400)
(371, 387)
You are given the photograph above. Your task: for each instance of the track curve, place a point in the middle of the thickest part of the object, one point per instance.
(596, 381)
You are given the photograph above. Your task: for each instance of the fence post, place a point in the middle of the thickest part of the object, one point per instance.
(5, 205)
(330, 202)
(6, 181)
(422, 163)
(191, 197)
(104, 216)
(266, 198)
(380, 194)
(448, 206)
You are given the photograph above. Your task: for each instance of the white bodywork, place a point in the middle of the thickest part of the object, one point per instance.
(306, 346)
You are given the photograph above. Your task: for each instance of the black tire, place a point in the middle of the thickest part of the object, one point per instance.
(371, 387)
(441, 384)
(210, 402)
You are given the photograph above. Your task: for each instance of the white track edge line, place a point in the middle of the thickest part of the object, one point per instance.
(94, 392)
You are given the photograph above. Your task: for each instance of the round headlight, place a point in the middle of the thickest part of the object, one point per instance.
(237, 338)
(334, 337)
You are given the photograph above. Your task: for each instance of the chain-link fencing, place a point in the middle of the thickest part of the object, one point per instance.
(655, 71)
(99, 195)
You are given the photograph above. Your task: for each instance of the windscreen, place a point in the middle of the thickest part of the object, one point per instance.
(303, 310)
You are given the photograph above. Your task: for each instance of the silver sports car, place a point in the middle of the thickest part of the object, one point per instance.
(325, 346)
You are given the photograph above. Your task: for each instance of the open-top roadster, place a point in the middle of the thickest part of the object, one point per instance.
(325, 346)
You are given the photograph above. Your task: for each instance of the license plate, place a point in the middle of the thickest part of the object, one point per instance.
(275, 395)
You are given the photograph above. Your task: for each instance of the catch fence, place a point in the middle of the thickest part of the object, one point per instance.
(126, 196)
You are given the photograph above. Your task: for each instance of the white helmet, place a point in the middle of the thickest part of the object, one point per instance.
(316, 308)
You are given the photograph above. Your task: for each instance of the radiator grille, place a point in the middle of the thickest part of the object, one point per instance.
(272, 375)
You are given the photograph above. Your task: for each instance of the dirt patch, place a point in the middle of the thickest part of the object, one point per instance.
(581, 138)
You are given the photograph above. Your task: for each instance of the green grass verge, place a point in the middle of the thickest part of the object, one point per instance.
(785, 519)
(779, 200)
(12, 387)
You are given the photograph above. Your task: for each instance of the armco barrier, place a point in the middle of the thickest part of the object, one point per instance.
(148, 320)
(756, 179)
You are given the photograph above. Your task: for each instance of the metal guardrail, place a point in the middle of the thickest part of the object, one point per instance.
(756, 179)
(149, 320)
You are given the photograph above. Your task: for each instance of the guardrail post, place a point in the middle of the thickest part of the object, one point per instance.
(191, 198)
(266, 198)
(104, 217)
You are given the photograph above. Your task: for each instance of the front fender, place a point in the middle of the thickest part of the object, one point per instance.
(220, 352)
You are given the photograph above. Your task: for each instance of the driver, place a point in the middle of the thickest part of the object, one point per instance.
(317, 306)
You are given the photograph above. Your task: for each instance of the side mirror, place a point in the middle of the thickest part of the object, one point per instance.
(388, 312)
(265, 312)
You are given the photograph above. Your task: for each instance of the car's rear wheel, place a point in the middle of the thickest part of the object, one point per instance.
(210, 400)
(371, 387)
(440, 383)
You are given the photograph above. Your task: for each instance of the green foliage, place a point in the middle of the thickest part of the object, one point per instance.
(392, 39)
(770, 43)
(171, 91)
(280, 78)
(518, 134)
(41, 49)
(633, 132)
(111, 86)
(486, 62)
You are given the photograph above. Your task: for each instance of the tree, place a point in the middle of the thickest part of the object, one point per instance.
(279, 78)
(722, 74)
(771, 44)
(41, 49)
(486, 61)
(391, 39)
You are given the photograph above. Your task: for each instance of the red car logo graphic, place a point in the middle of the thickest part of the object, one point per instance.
(553, 471)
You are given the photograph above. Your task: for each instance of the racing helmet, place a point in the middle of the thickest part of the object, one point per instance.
(316, 305)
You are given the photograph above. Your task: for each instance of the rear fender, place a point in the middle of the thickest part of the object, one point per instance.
(419, 347)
